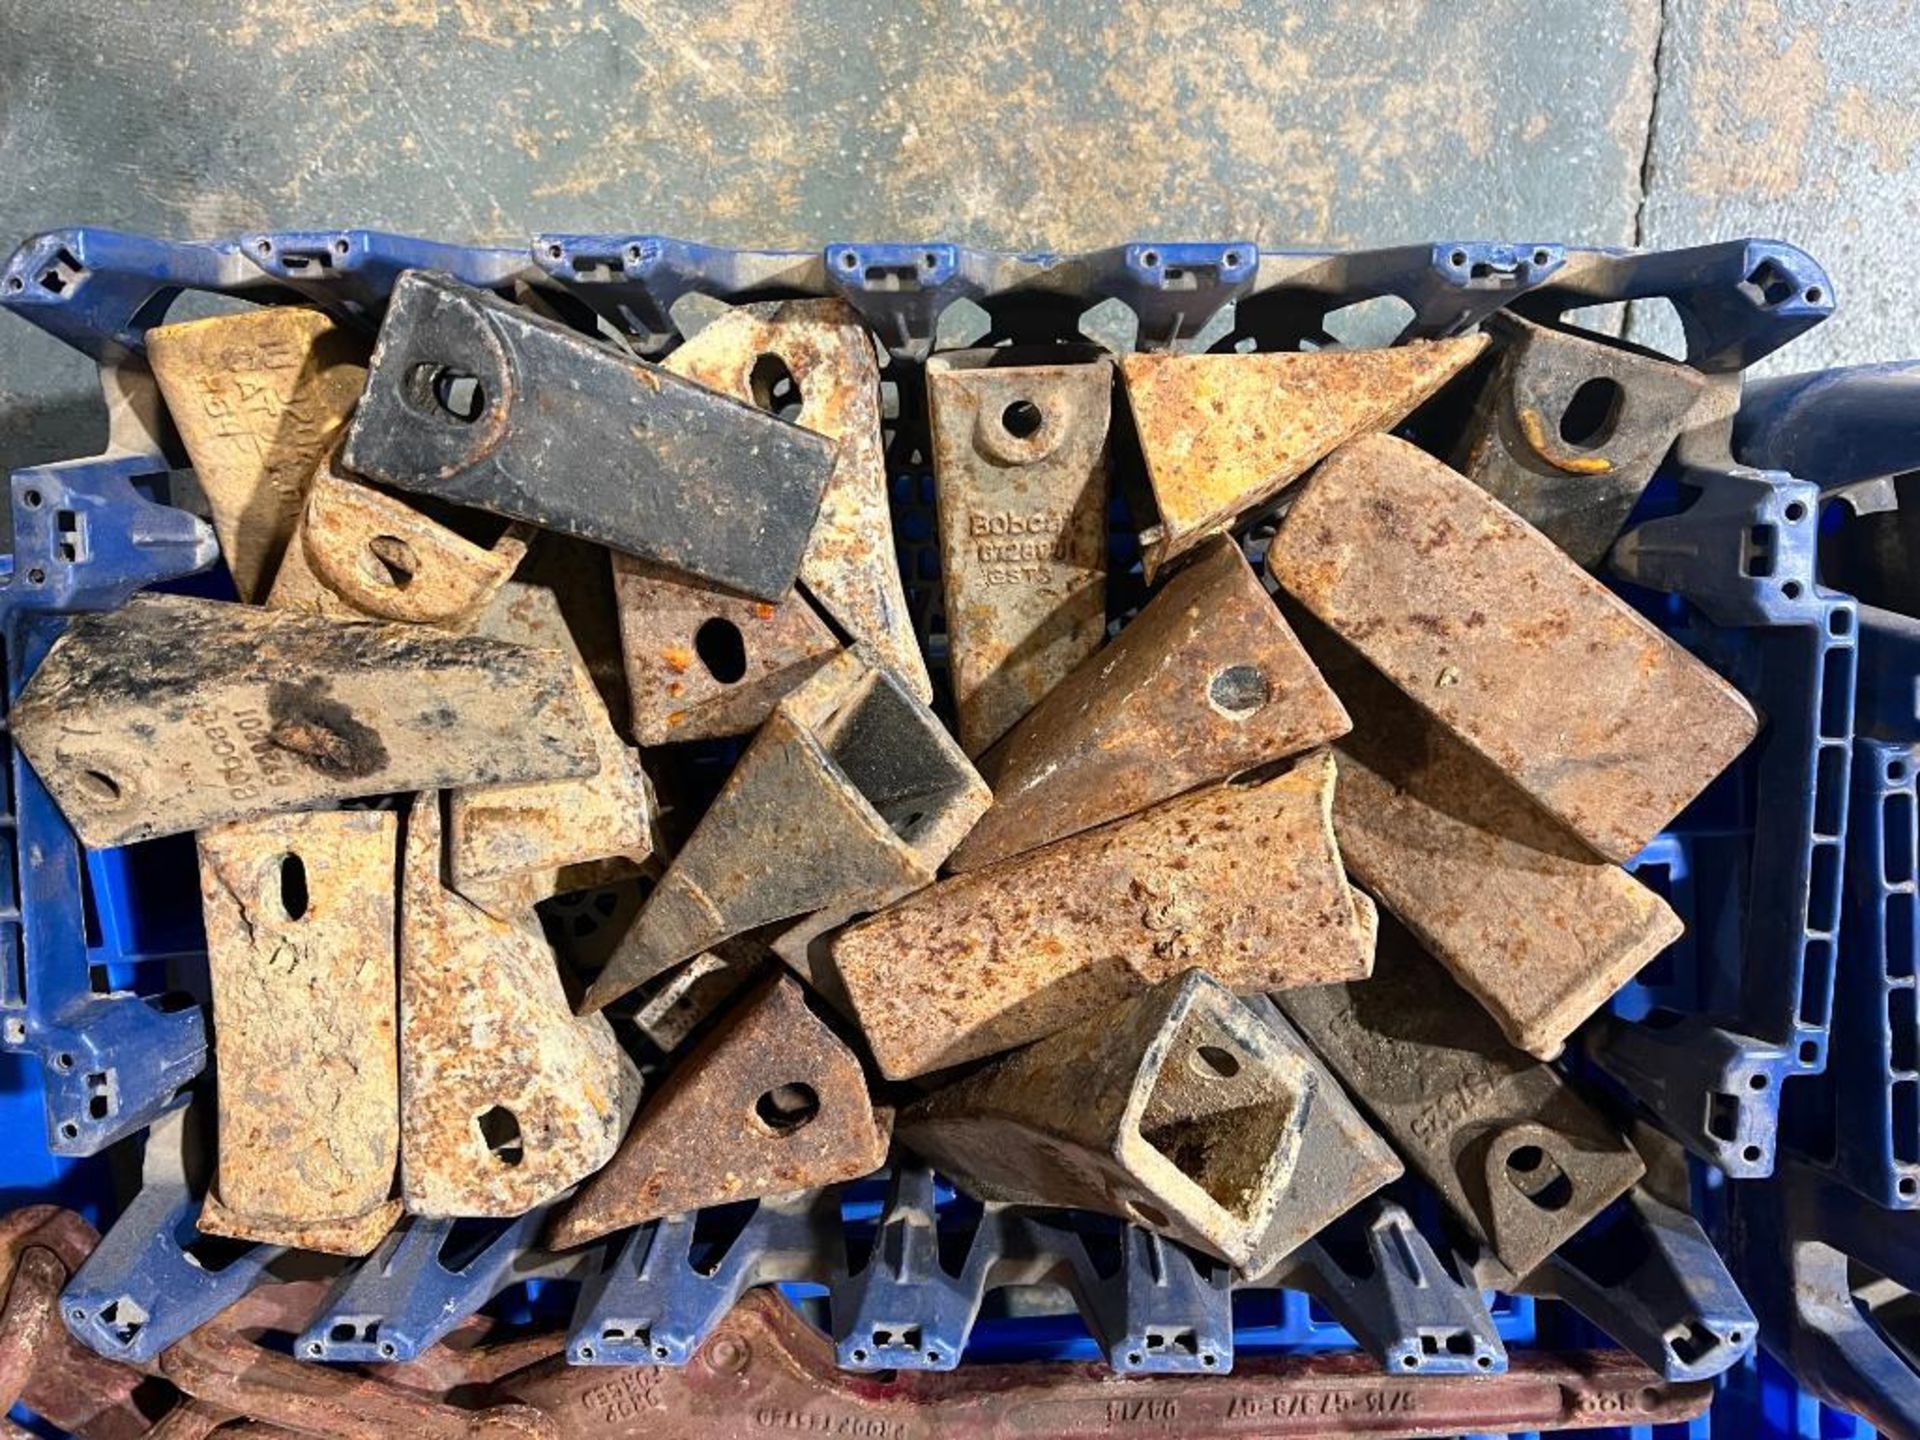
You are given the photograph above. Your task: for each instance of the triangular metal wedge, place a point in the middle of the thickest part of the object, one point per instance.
(850, 792)
(770, 1101)
(818, 353)
(1207, 681)
(1225, 433)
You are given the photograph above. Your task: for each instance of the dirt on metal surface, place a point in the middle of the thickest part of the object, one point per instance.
(259, 399)
(1207, 681)
(1517, 1155)
(852, 776)
(1223, 434)
(173, 714)
(506, 1099)
(1603, 721)
(301, 944)
(1570, 429)
(358, 554)
(1244, 879)
(769, 1102)
(1177, 1111)
(818, 354)
(1020, 468)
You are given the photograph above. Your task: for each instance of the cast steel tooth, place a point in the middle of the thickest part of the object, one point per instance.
(172, 714)
(702, 663)
(1599, 718)
(486, 404)
(357, 554)
(1223, 434)
(506, 1099)
(498, 831)
(1569, 430)
(769, 1103)
(1178, 1111)
(1526, 919)
(851, 792)
(1020, 465)
(1206, 682)
(1244, 879)
(828, 358)
(1515, 1153)
(300, 948)
(258, 399)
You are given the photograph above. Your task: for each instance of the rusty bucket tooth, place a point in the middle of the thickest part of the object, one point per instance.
(1523, 915)
(357, 554)
(1020, 468)
(770, 1102)
(1242, 878)
(850, 793)
(258, 399)
(1206, 682)
(174, 714)
(1599, 718)
(824, 354)
(300, 949)
(503, 830)
(1223, 434)
(506, 1099)
(1514, 1151)
(703, 663)
(1570, 429)
(486, 404)
(1179, 1110)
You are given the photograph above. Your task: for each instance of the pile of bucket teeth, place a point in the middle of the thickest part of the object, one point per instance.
(528, 632)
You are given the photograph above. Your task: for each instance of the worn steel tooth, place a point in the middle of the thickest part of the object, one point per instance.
(828, 359)
(703, 663)
(1020, 465)
(506, 1099)
(1595, 715)
(498, 831)
(1223, 434)
(1522, 914)
(173, 714)
(357, 554)
(1206, 682)
(258, 399)
(300, 947)
(1569, 429)
(1517, 1155)
(685, 999)
(1244, 879)
(770, 1102)
(850, 772)
(1178, 1111)
(485, 404)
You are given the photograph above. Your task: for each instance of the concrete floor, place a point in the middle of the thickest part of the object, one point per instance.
(1045, 123)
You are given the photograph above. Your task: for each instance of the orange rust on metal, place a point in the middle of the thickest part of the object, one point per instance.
(702, 662)
(359, 554)
(820, 350)
(498, 831)
(1223, 434)
(173, 714)
(1599, 718)
(685, 999)
(300, 916)
(1179, 1110)
(1528, 921)
(1244, 879)
(770, 1101)
(1020, 466)
(1207, 681)
(506, 1099)
(258, 399)
(850, 793)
